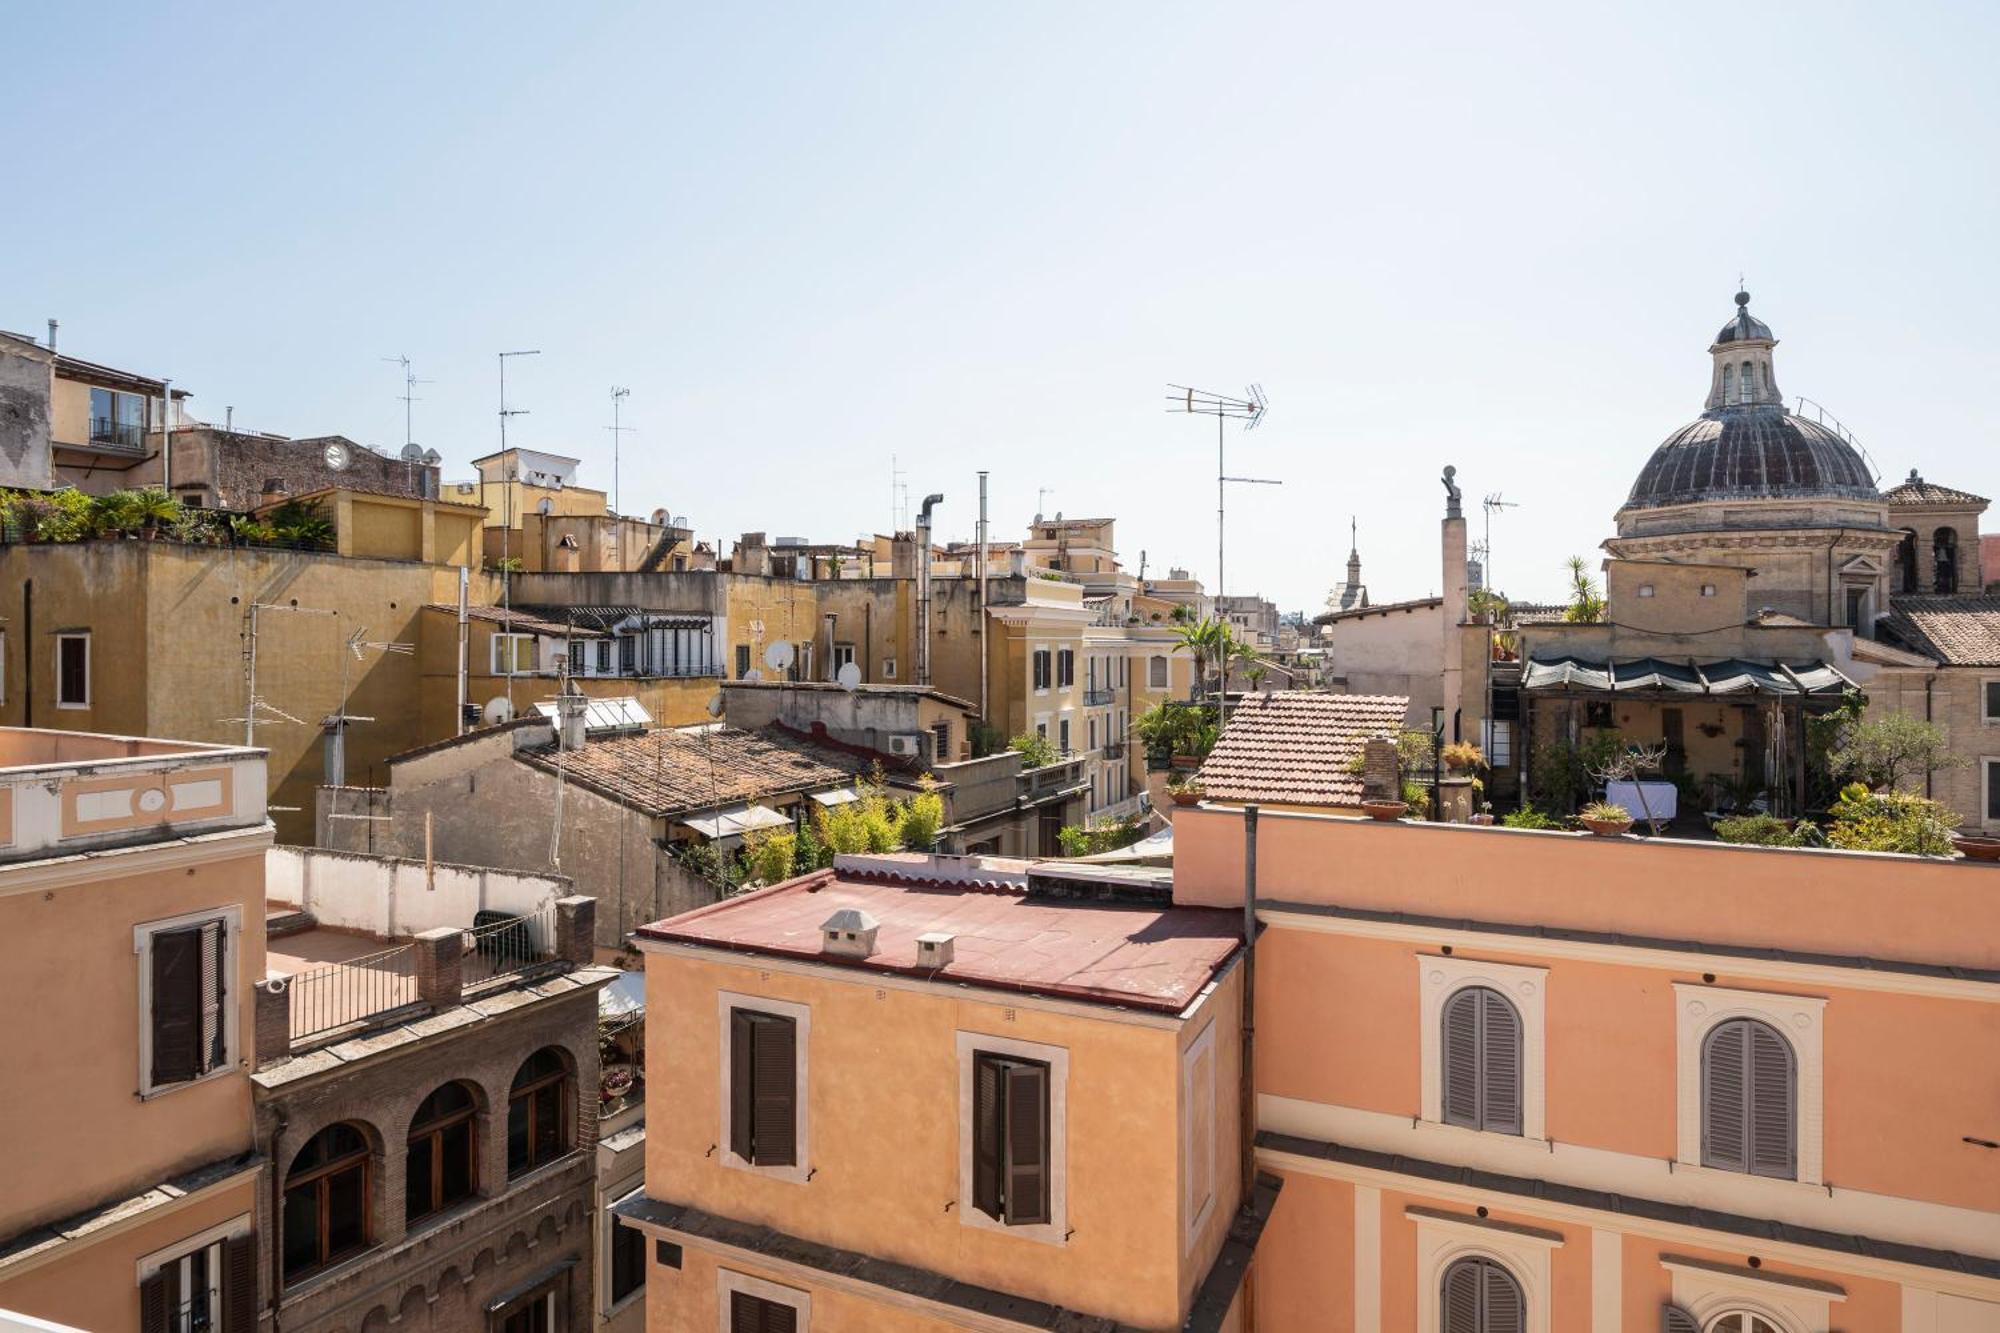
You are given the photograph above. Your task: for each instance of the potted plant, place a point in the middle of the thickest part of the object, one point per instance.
(1385, 811)
(1605, 819)
(1485, 815)
(1977, 847)
(1185, 790)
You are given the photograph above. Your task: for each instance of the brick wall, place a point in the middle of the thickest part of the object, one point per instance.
(233, 467)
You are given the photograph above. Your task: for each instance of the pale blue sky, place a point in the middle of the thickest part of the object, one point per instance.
(808, 237)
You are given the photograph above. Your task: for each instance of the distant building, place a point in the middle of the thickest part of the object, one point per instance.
(1351, 593)
(1297, 750)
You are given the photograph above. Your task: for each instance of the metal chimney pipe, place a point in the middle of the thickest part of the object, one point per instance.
(52, 335)
(924, 588)
(980, 624)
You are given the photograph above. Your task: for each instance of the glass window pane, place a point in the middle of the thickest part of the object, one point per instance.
(548, 1123)
(347, 1211)
(417, 1177)
(301, 1228)
(517, 1134)
(458, 1170)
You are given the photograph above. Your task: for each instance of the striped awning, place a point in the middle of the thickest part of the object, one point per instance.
(1684, 676)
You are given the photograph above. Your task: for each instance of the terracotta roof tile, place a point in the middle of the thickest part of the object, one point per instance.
(668, 772)
(1917, 491)
(1293, 747)
(1957, 631)
(518, 620)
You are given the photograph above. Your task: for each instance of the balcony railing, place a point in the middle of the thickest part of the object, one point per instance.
(117, 434)
(1096, 696)
(338, 994)
(503, 945)
(1114, 750)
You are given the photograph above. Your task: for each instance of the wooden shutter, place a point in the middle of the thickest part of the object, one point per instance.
(773, 1110)
(1499, 1063)
(754, 1314)
(1027, 1171)
(1673, 1319)
(239, 1284)
(214, 993)
(1461, 1058)
(176, 986)
(1460, 1298)
(742, 1046)
(155, 1303)
(1503, 1308)
(1771, 1103)
(1724, 1098)
(988, 1123)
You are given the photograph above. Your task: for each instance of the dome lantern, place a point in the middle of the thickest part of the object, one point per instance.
(1742, 374)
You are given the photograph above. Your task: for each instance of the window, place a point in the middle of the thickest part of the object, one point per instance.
(751, 1305)
(1746, 384)
(1010, 1153)
(764, 1085)
(1198, 1106)
(1989, 689)
(604, 656)
(1992, 767)
(535, 1313)
(72, 671)
(1906, 562)
(513, 654)
(843, 655)
(628, 1260)
(1062, 735)
(628, 654)
(1500, 743)
(1065, 669)
(187, 1026)
(326, 1200)
(941, 743)
(1858, 618)
(538, 1112)
(1742, 1321)
(1480, 1296)
(1748, 1077)
(1156, 673)
(1091, 731)
(742, 660)
(442, 1166)
(1481, 1048)
(888, 668)
(117, 418)
(1944, 560)
(1040, 662)
(1728, 383)
(204, 1284)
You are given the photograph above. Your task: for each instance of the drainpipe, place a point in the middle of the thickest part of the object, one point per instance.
(167, 436)
(1247, 1113)
(464, 578)
(924, 588)
(28, 650)
(981, 623)
(277, 1211)
(1929, 681)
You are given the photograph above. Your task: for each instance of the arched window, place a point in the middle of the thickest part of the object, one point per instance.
(538, 1112)
(1728, 383)
(1480, 1296)
(1749, 1100)
(1742, 1321)
(1906, 562)
(1744, 384)
(326, 1200)
(1944, 560)
(443, 1163)
(1482, 1061)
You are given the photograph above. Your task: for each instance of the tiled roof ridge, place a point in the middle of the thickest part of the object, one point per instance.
(917, 880)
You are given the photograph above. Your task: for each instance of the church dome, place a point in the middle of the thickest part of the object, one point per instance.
(1751, 453)
(1744, 326)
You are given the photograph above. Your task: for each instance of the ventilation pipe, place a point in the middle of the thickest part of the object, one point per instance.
(570, 717)
(924, 588)
(980, 624)
(1247, 1092)
(52, 335)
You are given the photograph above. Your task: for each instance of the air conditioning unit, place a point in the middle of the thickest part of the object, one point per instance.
(911, 743)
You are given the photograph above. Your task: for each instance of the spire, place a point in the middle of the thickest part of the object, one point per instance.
(1352, 593)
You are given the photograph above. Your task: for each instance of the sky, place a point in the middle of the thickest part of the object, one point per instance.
(813, 239)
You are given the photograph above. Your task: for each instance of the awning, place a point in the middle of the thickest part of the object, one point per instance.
(735, 820)
(838, 796)
(624, 996)
(1686, 676)
(1154, 846)
(618, 714)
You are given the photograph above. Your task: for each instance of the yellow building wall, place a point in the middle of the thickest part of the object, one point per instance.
(883, 1136)
(69, 412)
(692, 1300)
(381, 531)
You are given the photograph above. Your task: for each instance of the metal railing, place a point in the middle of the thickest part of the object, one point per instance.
(118, 434)
(338, 994)
(1097, 697)
(504, 945)
(1114, 750)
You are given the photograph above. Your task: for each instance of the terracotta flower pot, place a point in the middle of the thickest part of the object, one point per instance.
(1608, 828)
(1185, 797)
(1483, 821)
(1386, 811)
(1977, 848)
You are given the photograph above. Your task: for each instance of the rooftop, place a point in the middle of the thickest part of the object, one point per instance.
(669, 772)
(1292, 747)
(1155, 957)
(1915, 491)
(73, 792)
(517, 620)
(1957, 631)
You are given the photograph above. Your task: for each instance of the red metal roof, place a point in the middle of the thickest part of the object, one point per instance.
(1138, 956)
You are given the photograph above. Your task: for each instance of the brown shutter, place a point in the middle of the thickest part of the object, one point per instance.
(155, 1303)
(1504, 1309)
(1027, 1178)
(742, 1044)
(754, 1314)
(214, 994)
(988, 1121)
(239, 1284)
(774, 1081)
(176, 998)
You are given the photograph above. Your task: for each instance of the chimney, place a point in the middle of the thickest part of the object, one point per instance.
(848, 933)
(570, 713)
(1454, 608)
(52, 335)
(924, 588)
(934, 948)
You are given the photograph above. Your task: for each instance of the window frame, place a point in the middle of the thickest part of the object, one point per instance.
(434, 1130)
(1198, 1211)
(215, 1239)
(1041, 669)
(513, 639)
(1989, 696)
(888, 668)
(1526, 988)
(1444, 1238)
(1800, 1019)
(1711, 1292)
(230, 1016)
(615, 1231)
(73, 636)
(1065, 668)
(564, 1080)
(1163, 677)
(801, 1015)
(1484, 1119)
(364, 1159)
(970, 1045)
(728, 1282)
(1989, 807)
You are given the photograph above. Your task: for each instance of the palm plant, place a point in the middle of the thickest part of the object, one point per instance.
(1205, 639)
(1586, 602)
(154, 508)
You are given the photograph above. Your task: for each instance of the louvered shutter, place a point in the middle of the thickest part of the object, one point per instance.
(1724, 1141)
(754, 1314)
(1027, 1179)
(1505, 1311)
(988, 1122)
(214, 991)
(1673, 1319)
(1461, 1058)
(774, 1127)
(239, 1284)
(1499, 1064)
(742, 1046)
(176, 985)
(1771, 1102)
(155, 1303)
(1460, 1301)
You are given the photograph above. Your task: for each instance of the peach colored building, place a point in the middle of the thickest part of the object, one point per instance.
(1532, 1081)
(132, 904)
(879, 1108)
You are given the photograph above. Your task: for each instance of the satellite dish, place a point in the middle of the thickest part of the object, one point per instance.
(753, 675)
(413, 453)
(715, 705)
(779, 655)
(544, 505)
(849, 677)
(432, 457)
(497, 710)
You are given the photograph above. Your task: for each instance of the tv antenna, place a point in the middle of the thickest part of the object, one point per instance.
(409, 395)
(1042, 493)
(507, 498)
(618, 431)
(1249, 410)
(258, 710)
(1489, 504)
(334, 725)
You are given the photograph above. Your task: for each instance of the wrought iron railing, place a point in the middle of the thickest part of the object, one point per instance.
(333, 996)
(118, 434)
(503, 944)
(1114, 749)
(1096, 697)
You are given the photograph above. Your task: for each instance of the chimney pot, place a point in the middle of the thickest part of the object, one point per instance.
(934, 948)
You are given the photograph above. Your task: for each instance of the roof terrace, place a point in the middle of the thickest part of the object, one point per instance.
(67, 793)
